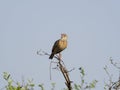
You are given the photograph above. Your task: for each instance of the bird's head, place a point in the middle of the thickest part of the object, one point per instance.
(64, 36)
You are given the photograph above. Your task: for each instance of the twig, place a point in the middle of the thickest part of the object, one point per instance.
(41, 53)
(62, 68)
(115, 64)
(116, 84)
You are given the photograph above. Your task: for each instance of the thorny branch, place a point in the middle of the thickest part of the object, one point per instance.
(115, 64)
(62, 68)
(116, 84)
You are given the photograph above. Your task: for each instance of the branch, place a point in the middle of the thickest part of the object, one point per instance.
(62, 68)
(113, 84)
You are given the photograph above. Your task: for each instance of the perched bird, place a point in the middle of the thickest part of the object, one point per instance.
(59, 46)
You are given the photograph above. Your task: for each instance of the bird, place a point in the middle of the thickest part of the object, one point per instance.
(59, 46)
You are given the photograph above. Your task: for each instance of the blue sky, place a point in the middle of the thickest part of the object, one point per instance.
(92, 26)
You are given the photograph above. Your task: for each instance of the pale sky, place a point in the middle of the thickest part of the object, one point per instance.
(92, 26)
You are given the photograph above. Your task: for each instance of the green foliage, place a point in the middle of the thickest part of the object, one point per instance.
(77, 87)
(41, 86)
(12, 85)
(29, 85)
(93, 84)
(83, 84)
(53, 86)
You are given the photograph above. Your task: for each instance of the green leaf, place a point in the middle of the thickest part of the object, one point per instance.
(82, 71)
(93, 84)
(6, 76)
(41, 86)
(32, 85)
(77, 87)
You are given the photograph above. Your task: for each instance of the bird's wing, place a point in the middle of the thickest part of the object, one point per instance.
(55, 45)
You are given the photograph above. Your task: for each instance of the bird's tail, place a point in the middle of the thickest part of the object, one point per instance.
(51, 56)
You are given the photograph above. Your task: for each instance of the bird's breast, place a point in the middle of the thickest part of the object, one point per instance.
(63, 44)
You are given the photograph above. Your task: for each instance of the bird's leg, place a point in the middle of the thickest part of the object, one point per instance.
(60, 56)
